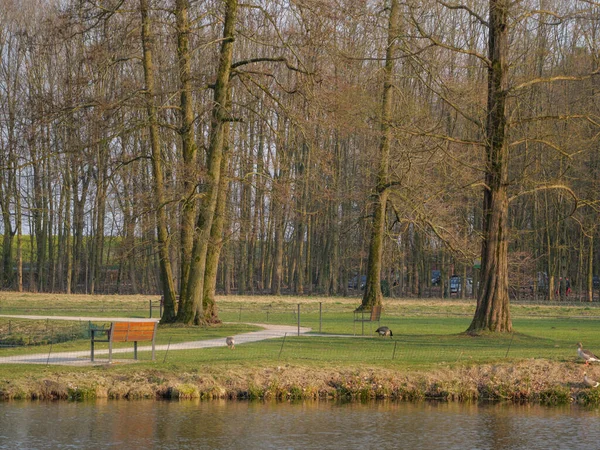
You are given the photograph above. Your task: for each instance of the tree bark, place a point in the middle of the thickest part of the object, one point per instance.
(209, 304)
(590, 271)
(372, 295)
(188, 144)
(493, 311)
(191, 304)
(101, 188)
(166, 275)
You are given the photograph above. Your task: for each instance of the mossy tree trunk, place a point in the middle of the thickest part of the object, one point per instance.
(209, 304)
(166, 275)
(188, 148)
(191, 305)
(493, 306)
(8, 232)
(372, 295)
(281, 195)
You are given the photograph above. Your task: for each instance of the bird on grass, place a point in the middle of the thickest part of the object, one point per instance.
(384, 331)
(589, 382)
(230, 341)
(586, 354)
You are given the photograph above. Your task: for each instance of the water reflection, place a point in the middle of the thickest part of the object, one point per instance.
(308, 425)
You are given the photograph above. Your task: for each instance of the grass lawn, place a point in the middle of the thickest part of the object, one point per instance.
(427, 333)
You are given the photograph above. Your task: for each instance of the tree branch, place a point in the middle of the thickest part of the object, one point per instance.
(441, 44)
(541, 141)
(550, 80)
(547, 188)
(466, 8)
(277, 59)
(558, 117)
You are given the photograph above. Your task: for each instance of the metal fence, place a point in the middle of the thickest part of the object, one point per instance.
(284, 337)
(281, 347)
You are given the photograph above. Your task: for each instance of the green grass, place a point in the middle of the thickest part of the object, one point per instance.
(426, 333)
(418, 343)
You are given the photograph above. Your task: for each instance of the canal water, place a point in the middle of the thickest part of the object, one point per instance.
(303, 425)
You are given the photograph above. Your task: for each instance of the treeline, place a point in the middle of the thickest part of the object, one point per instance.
(140, 137)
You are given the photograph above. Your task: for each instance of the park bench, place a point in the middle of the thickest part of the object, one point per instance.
(124, 332)
(363, 316)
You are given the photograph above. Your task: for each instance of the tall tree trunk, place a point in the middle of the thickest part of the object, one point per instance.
(372, 295)
(19, 228)
(245, 209)
(209, 305)
(166, 275)
(191, 304)
(257, 238)
(303, 175)
(590, 270)
(335, 217)
(279, 200)
(98, 245)
(278, 224)
(9, 158)
(6, 193)
(188, 144)
(7, 239)
(67, 232)
(40, 207)
(78, 172)
(493, 312)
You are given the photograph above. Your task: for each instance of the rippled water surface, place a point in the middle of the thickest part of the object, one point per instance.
(308, 425)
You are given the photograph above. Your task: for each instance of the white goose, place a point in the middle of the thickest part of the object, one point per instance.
(589, 382)
(586, 354)
(230, 341)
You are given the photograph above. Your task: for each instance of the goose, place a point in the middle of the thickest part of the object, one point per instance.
(384, 331)
(589, 382)
(230, 341)
(586, 354)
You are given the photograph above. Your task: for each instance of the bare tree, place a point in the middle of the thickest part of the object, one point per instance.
(372, 295)
(493, 312)
(168, 287)
(191, 304)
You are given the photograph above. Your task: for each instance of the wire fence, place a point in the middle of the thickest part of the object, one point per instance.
(284, 350)
(279, 345)
(152, 307)
(423, 334)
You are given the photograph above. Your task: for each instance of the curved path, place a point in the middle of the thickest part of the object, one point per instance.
(82, 357)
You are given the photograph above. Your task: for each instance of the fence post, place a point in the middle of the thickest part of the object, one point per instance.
(509, 345)
(49, 353)
(50, 350)
(281, 349)
(298, 319)
(320, 315)
(150, 308)
(167, 352)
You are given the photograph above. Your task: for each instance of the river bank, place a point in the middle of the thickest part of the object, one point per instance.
(430, 357)
(535, 381)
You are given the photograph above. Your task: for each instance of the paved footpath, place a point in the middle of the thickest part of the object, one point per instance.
(82, 358)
